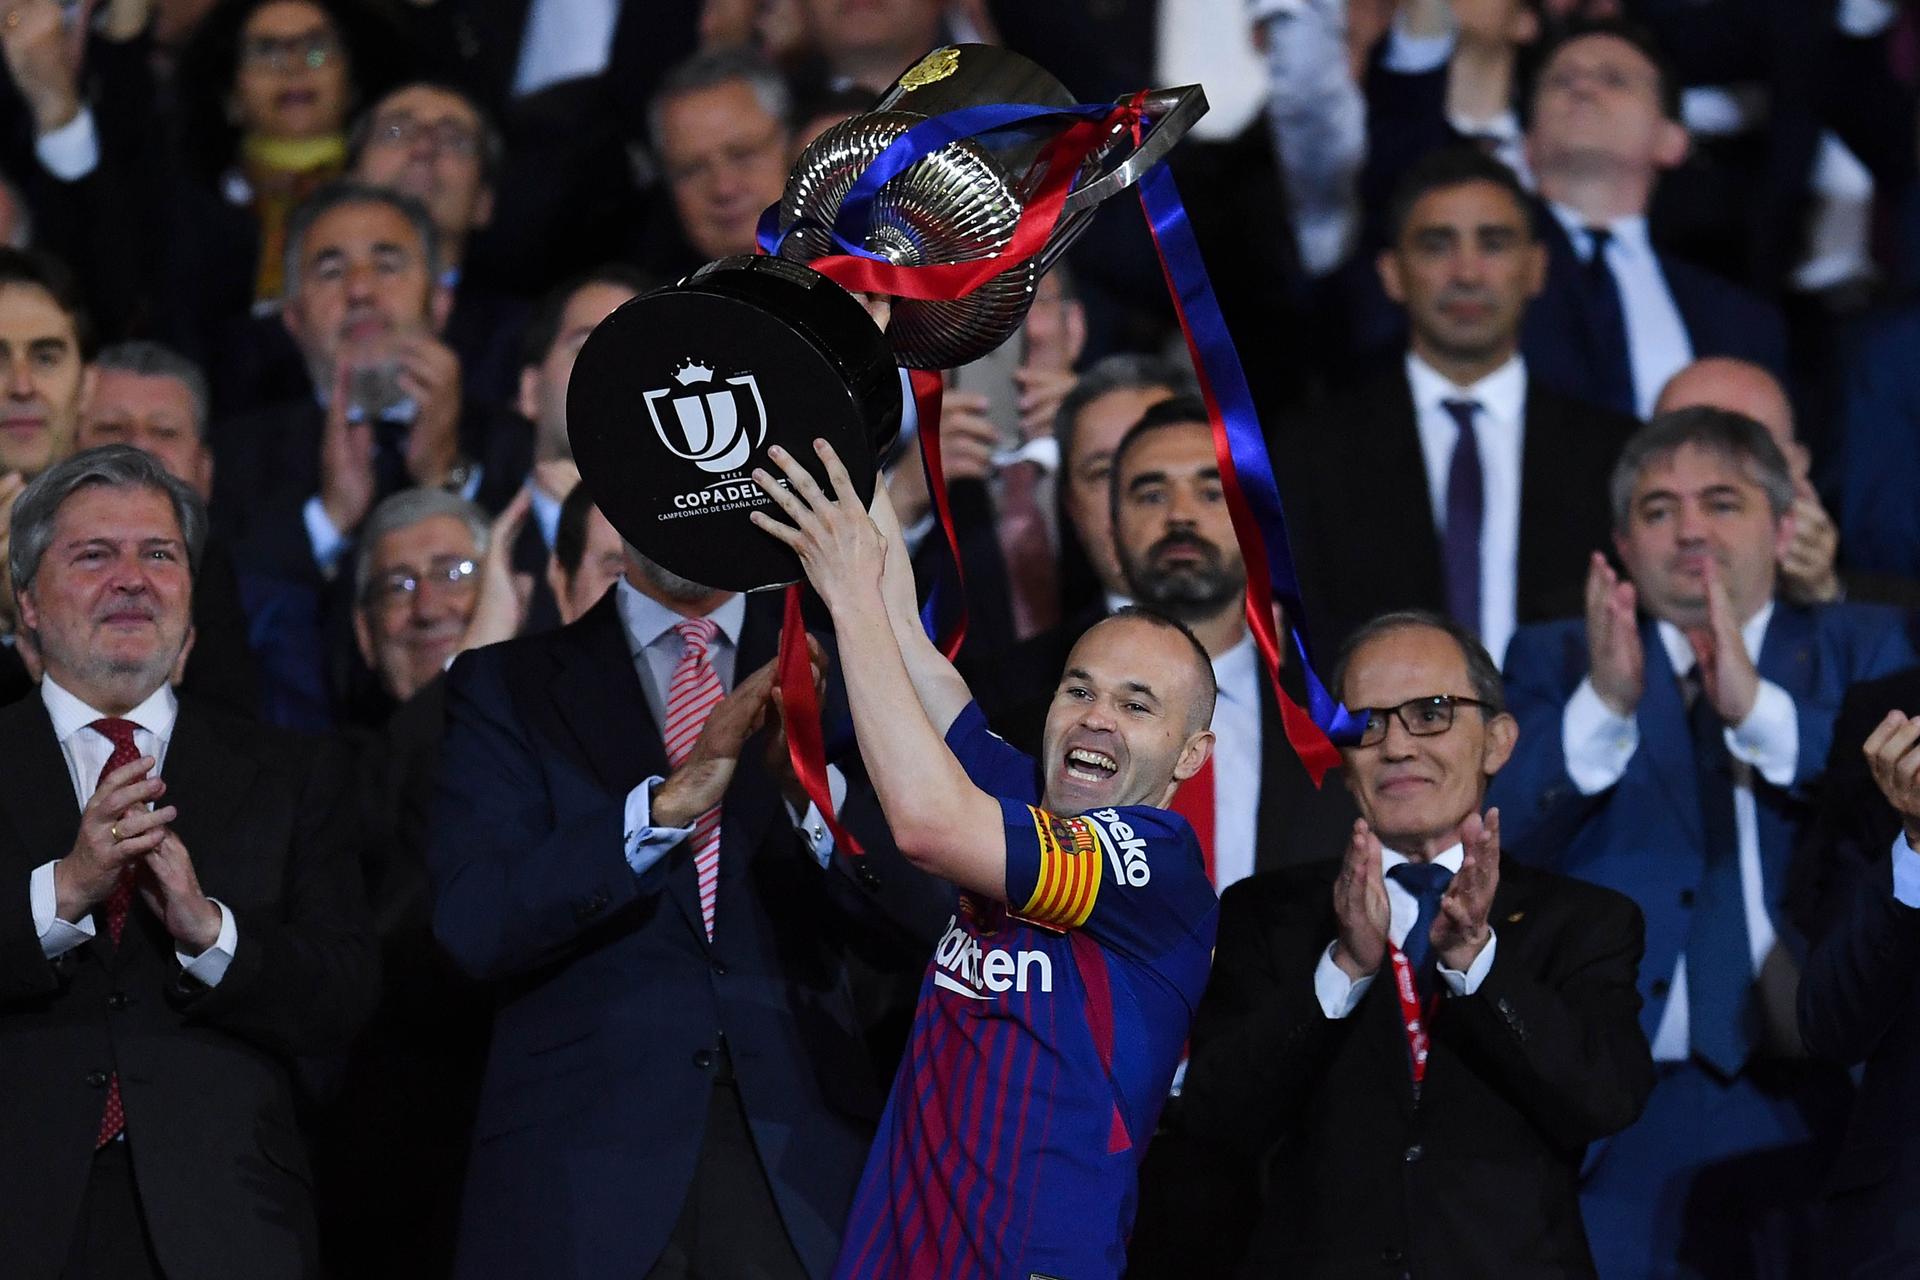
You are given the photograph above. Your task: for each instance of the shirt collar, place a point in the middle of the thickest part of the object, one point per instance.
(646, 619)
(1236, 672)
(1680, 651)
(546, 512)
(1451, 859)
(1500, 394)
(70, 715)
(1629, 234)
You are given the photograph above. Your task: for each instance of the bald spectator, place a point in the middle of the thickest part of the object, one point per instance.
(1807, 573)
(720, 128)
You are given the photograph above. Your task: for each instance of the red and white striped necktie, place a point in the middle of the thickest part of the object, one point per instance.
(691, 696)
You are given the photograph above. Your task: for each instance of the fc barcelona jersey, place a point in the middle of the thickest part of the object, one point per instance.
(1046, 1037)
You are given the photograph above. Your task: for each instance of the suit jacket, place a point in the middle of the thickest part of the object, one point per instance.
(204, 1072)
(1876, 468)
(1476, 1177)
(612, 1008)
(1296, 822)
(1859, 1003)
(1721, 319)
(1643, 836)
(1356, 481)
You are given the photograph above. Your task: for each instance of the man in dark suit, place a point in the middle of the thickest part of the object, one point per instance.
(1666, 741)
(174, 960)
(1395, 1141)
(677, 1083)
(1858, 896)
(1481, 479)
(1618, 316)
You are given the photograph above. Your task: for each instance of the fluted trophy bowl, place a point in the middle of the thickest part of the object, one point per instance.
(679, 394)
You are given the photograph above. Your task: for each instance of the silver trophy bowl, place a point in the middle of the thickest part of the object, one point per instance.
(961, 203)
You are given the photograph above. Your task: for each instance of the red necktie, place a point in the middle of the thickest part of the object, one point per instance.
(120, 733)
(1194, 802)
(692, 694)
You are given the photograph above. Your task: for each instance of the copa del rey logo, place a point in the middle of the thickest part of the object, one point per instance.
(714, 426)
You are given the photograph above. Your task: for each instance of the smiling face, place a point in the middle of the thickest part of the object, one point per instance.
(1465, 266)
(407, 636)
(1128, 720)
(44, 380)
(110, 602)
(1416, 791)
(291, 80)
(1172, 527)
(1691, 506)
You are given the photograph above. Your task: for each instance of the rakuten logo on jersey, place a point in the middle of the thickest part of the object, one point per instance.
(964, 967)
(1125, 850)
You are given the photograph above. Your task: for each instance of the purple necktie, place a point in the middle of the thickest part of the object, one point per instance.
(1466, 505)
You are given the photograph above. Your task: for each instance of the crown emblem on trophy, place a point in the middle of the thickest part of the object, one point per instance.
(688, 372)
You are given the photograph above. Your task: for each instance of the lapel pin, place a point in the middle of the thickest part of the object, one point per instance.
(1515, 917)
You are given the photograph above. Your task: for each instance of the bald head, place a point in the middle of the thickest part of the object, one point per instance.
(1739, 387)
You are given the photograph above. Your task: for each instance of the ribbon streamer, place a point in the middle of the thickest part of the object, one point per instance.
(800, 709)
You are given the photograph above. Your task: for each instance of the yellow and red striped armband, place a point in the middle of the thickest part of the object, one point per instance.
(1069, 879)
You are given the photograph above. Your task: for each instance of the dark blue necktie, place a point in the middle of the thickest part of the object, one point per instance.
(1612, 356)
(1427, 882)
(1466, 511)
(1720, 1004)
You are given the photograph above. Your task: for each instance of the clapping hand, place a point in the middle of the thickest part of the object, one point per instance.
(1360, 902)
(1727, 675)
(1617, 662)
(1460, 929)
(1893, 755)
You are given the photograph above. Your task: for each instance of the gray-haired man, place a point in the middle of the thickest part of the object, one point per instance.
(192, 920)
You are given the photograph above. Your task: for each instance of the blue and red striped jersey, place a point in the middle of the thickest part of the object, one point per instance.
(1045, 1040)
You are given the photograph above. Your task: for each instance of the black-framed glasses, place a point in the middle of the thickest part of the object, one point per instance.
(1421, 717)
(450, 136)
(403, 584)
(310, 49)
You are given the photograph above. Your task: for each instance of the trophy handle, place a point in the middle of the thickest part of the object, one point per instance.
(1173, 112)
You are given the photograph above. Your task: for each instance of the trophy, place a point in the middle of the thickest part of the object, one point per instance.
(676, 397)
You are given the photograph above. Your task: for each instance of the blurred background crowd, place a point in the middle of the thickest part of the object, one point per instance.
(330, 263)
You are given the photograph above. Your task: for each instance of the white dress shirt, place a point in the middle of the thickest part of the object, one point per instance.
(656, 649)
(545, 509)
(87, 751)
(564, 40)
(1599, 745)
(1340, 995)
(1499, 430)
(1236, 762)
(1657, 342)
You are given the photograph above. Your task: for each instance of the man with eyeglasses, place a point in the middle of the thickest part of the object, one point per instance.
(1403, 1053)
(1669, 741)
(431, 580)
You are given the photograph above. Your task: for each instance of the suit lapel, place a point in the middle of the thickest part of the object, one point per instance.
(36, 790)
(597, 694)
(1545, 550)
(752, 802)
(1786, 651)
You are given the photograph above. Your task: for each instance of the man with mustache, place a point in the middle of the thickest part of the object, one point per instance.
(1251, 805)
(189, 919)
(1667, 742)
(1457, 457)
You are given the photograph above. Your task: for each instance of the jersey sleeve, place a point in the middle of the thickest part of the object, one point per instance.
(1131, 878)
(992, 763)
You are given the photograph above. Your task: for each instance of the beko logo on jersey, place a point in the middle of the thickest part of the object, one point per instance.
(1125, 850)
(964, 967)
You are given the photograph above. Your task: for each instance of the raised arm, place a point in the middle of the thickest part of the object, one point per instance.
(943, 694)
(941, 821)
